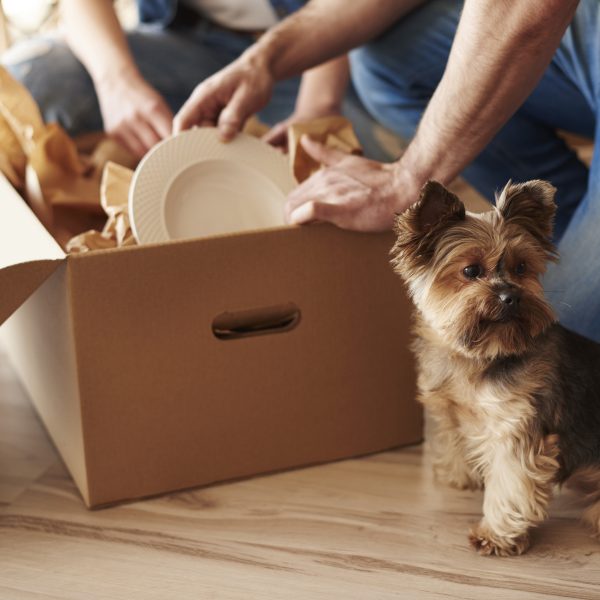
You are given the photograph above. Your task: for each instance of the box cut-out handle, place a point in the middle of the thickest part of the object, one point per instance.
(256, 321)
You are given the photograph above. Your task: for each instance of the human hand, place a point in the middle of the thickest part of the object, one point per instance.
(134, 113)
(350, 191)
(229, 97)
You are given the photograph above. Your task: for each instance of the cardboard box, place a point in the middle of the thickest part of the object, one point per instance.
(164, 367)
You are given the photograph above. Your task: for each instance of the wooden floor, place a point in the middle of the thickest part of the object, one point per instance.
(369, 529)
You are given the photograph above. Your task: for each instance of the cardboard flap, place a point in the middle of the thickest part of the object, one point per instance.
(18, 282)
(28, 253)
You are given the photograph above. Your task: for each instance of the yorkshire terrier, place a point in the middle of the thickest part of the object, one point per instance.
(514, 395)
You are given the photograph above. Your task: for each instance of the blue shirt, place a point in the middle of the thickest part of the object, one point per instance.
(162, 12)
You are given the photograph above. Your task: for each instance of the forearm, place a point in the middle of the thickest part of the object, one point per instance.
(492, 69)
(95, 36)
(322, 89)
(325, 29)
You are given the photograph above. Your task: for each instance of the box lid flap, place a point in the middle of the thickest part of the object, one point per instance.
(28, 253)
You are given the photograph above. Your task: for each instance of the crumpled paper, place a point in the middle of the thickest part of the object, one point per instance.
(114, 194)
(21, 125)
(333, 132)
(255, 127)
(83, 185)
(60, 183)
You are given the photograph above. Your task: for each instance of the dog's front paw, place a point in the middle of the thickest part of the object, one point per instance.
(488, 544)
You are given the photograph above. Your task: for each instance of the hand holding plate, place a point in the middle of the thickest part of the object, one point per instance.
(229, 97)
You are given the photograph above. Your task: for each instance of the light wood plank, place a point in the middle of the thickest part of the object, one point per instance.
(372, 528)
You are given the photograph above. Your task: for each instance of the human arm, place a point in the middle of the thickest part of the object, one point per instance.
(491, 70)
(321, 94)
(132, 111)
(321, 31)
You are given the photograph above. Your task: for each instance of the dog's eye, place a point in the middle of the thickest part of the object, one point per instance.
(521, 268)
(472, 271)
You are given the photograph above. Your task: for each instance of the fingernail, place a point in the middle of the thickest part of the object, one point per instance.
(300, 215)
(227, 132)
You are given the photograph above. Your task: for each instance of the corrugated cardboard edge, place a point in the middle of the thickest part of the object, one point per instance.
(19, 282)
(28, 253)
(82, 482)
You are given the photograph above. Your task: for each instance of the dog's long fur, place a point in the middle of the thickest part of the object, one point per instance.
(516, 397)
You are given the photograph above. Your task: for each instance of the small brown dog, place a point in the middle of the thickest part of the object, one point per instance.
(515, 396)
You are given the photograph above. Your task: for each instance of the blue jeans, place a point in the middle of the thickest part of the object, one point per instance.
(172, 60)
(395, 76)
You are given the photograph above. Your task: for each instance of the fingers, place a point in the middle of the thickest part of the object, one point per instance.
(199, 108)
(316, 211)
(130, 141)
(353, 193)
(134, 113)
(323, 154)
(319, 185)
(140, 135)
(234, 115)
(161, 119)
(228, 98)
(146, 134)
(332, 195)
(308, 199)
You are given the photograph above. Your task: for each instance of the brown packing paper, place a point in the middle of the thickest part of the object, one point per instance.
(114, 193)
(61, 185)
(13, 159)
(334, 132)
(114, 196)
(64, 177)
(20, 111)
(20, 123)
(69, 188)
(255, 127)
(109, 150)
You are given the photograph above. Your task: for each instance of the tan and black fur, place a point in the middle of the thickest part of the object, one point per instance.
(515, 396)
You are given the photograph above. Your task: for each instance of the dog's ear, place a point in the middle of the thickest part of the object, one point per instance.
(419, 227)
(531, 206)
(436, 208)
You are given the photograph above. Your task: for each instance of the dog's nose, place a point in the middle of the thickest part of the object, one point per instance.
(510, 297)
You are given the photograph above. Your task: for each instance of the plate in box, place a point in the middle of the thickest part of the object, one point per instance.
(193, 185)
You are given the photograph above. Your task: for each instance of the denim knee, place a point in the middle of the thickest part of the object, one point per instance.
(58, 83)
(396, 74)
(385, 101)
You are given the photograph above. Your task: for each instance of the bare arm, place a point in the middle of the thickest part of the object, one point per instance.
(321, 94)
(492, 69)
(322, 30)
(499, 54)
(132, 111)
(95, 36)
(325, 29)
(323, 87)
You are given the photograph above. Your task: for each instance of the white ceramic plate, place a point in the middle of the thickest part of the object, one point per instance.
(194, 185)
